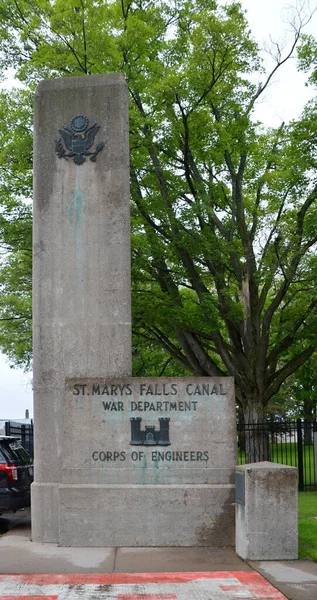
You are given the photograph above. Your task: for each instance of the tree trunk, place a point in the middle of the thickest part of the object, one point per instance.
(308, 432)
(257, 434)
(241, 428)
(308, 423)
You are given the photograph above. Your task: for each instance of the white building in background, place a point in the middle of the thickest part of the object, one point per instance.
(25, 421)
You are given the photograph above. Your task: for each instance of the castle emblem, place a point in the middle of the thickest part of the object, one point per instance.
(150, 436)
(78, 139)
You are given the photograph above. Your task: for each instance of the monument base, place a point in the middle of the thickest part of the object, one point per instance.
(45, 512)
(134, 515)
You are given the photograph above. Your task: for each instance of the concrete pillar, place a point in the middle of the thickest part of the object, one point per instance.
(266, 511)
(81, 291)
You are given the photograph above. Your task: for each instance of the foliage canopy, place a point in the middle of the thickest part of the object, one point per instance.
(223, 209)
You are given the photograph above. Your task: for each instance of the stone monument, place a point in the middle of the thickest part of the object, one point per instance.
(119, 461)
(266, 511)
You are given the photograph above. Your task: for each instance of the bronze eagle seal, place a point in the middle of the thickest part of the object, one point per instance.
(78, 140)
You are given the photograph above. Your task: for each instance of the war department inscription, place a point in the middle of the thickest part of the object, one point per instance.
(151, 429)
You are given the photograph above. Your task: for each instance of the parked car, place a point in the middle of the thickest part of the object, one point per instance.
(16, 475)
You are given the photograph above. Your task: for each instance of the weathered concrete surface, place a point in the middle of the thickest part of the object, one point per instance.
(81, 288)
(133, 560)
(144, 515)
(87, 461)
(201, 446)
(154, 586)
(45, 512)
(296, 579)
(266, 523)
(121, 489)
(20, 555)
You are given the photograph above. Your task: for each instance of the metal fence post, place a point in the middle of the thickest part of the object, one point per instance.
(23, 435)
(300, 463)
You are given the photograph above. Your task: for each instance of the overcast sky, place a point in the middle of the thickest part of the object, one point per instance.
(283, 101)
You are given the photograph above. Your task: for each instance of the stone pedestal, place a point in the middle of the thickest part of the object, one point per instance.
(266, 511)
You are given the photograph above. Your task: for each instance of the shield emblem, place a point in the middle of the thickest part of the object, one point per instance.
(79, 145)
(78, 139)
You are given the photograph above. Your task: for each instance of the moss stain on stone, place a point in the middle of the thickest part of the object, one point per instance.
(75, 215)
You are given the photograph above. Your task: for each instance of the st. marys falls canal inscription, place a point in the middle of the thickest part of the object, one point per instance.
(149, 431)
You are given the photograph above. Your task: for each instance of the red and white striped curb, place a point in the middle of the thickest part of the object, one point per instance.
(223, 585)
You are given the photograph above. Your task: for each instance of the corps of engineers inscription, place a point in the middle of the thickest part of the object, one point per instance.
(149, 430)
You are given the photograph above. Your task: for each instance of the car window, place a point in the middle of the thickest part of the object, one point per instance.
(15, 453)
(3, 459)
(9, 457)
(21, 454)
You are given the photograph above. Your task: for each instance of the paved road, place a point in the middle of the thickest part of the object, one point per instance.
(21, 519)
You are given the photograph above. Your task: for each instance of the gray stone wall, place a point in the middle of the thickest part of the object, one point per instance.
(102, 414)
(148, 462)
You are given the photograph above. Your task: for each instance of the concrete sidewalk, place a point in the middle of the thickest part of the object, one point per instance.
(297, 580)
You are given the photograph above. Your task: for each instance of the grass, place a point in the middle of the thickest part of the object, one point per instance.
(307, 525)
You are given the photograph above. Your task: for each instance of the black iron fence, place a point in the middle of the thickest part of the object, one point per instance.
(288, 442)
(292, 443)
(23, 431)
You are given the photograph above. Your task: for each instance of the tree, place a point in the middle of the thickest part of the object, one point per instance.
(297, 397)
(16, 227)
(304, 390)
(223, 209)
